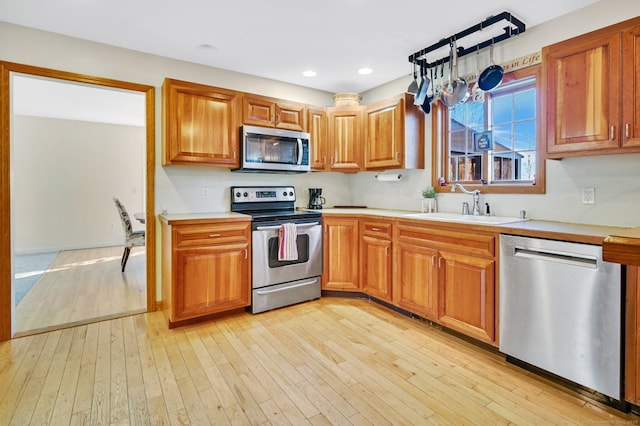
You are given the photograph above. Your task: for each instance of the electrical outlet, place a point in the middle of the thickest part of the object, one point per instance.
(205, 192)
(588, 195)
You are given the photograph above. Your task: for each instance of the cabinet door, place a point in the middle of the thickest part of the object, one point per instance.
(467, 295)
(377, 265)
(317, 128)
(583, 93)
(345, 139)
(258, 111)
(290, 115)
(200, 123)
(384, 135)
(341, 254)
(416, 280)
(211, 279)
(630, 90)
(269, 112)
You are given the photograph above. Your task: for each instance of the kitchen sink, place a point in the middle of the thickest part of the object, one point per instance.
(460, 218)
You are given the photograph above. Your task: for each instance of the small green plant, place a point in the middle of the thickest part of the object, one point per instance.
(429, 192)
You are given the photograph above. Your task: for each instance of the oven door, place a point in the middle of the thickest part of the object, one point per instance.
(268, 270)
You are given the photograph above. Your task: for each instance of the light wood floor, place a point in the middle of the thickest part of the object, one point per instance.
(331, 361)
(81, 286)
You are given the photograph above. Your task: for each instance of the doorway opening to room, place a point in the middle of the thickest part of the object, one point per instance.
(75, 145)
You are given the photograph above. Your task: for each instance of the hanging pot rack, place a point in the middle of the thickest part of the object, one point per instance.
(507, 24)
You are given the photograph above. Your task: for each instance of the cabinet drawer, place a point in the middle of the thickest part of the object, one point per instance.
(199, 235)
(476, 244)
(382, 230)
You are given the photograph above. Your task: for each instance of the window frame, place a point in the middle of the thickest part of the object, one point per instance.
(440, 146)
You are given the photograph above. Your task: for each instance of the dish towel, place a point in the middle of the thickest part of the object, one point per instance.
(287, 246)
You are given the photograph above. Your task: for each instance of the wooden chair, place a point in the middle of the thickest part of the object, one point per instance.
(131, 238)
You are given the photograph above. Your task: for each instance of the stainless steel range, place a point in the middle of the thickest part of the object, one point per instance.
(280, 279)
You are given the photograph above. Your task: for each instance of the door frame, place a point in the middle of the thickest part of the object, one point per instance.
(5, 178)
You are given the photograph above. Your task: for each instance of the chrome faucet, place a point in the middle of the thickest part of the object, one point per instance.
(476, 197)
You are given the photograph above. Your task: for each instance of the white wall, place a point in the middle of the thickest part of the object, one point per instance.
(64, 177)
(616, 179)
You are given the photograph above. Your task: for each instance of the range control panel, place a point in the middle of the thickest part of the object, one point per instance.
(258, 194)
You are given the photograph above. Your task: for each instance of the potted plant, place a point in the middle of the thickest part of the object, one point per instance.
(429, 200)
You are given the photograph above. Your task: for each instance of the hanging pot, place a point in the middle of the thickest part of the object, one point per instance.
(422, 90)
(491, 77)
(458, 89)
(413, 87)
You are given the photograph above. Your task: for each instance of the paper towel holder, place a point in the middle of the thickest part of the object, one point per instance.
(389, 177)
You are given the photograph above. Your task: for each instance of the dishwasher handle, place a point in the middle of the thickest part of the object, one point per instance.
(573, 259)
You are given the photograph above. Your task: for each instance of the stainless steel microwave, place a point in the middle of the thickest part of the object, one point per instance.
(264, 149)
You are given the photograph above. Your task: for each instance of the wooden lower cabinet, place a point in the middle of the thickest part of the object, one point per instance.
(376, 258)
(632, 336)
(417, 280)
(467, 295)
(444, 274)
(447, 275)
(206, 268)
(341, 254)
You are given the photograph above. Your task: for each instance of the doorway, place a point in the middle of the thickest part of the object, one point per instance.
(82, 236)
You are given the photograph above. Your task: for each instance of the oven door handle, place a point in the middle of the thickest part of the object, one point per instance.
(301, 225)
(263, 292)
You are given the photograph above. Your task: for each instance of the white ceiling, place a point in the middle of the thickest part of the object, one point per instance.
(279, 39)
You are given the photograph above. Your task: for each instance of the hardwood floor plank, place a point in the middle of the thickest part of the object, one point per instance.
(82, 285)
(330, 361)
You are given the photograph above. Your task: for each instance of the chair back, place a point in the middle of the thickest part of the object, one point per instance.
(124, 217)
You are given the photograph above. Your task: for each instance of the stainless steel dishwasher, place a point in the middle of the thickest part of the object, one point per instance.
(561, 310)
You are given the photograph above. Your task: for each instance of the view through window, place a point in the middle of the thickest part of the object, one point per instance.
(495, 141)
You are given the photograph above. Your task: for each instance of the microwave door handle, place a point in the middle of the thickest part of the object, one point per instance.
(299, 151)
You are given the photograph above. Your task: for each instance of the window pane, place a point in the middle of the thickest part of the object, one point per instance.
(502, 109)
(475, 114)
(502, 138)
(524, 104)
(525, 135)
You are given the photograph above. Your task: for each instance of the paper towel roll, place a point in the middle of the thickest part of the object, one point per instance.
(388, 177)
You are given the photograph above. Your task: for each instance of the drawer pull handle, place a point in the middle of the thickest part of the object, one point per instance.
(612, 132)
(626, 131)
(214, 235)
(375, 229)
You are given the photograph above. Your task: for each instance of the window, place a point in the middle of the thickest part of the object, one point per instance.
(494, 144)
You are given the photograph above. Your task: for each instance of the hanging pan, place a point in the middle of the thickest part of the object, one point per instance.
(413, 87)
(422, 90)
(491, 77)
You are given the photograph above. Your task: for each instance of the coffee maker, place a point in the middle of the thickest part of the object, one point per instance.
(316, 200)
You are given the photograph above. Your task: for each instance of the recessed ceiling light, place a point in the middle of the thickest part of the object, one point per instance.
(204, 47)
(365, 71)
(309, 73)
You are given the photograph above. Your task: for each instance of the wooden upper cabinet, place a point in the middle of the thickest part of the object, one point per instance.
(346, 138)
(591, 89)
(317, 129)
(630, 90)
(394, 135)
(270, 112)
(200, 124)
